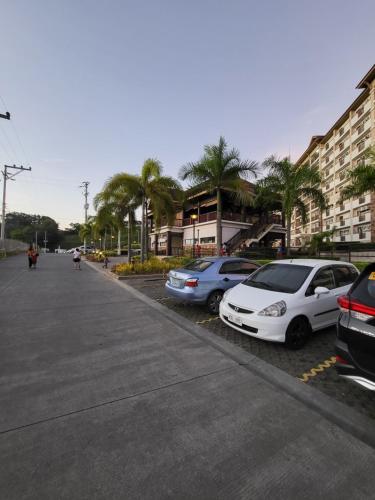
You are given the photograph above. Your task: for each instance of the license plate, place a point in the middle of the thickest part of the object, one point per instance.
(235, 319)
(175, 282)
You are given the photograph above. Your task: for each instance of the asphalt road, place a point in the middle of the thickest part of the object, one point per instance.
(105, 394)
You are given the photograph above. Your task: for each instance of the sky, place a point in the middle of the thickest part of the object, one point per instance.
(95, 87)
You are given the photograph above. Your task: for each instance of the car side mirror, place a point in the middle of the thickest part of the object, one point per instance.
(321, 290)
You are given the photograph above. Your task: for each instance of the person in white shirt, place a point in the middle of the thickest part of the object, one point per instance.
(77, 259)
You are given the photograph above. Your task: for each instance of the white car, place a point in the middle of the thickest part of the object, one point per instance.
(285, 300)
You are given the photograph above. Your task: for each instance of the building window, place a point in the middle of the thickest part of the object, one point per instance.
(341, 146)
(361, 145)
(327, 146)
(207, 239)
(361, 128)
(341, 131)
(360, 111)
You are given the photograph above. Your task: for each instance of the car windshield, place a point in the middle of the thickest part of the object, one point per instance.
(198, 265)
(287, 278)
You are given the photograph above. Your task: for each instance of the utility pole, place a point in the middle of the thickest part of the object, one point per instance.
(45, 241)
(85, 185)
(6, 177)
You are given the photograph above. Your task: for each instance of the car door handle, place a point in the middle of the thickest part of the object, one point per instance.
(225, 279)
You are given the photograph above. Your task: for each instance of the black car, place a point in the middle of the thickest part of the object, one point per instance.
(355, 344)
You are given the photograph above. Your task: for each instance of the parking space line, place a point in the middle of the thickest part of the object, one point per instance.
(160, 299)
(318, 369)
(214, 318)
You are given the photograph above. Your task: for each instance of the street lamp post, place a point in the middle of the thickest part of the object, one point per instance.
(194, 217)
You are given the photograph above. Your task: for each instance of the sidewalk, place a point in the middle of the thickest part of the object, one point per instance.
(104, 394)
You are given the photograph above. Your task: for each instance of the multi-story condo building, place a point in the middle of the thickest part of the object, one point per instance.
(196, 224)
(335, 153)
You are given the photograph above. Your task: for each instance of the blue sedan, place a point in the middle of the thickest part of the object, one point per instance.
(204, 281)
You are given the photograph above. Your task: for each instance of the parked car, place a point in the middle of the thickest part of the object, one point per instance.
(205, 280)
(285, 301)
(355, 344)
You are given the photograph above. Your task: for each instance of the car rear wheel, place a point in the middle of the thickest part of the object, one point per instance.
(213, 301)
(297, 333)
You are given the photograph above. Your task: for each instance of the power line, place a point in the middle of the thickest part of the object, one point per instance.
(16, 132)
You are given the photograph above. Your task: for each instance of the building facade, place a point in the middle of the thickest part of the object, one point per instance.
(335, 153)
(196, 225)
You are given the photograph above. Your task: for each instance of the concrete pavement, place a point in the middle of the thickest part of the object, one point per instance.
(104, 395)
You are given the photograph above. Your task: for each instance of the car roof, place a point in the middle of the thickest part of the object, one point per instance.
(221, 259)
(311, 262)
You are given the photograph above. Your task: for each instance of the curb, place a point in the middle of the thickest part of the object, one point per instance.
(359, 426)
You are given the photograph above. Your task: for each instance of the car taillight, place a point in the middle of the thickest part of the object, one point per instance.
(344, 303)
(191, 282)
(347, 304)
(341, 360)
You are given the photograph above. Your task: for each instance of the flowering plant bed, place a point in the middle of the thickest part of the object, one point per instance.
(150, 266)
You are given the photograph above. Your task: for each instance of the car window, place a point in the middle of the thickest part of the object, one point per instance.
(344, 275)
(248, 267)
(232, 267)
(287, 278)
(198, 265)
(324, 277)
(363, 290)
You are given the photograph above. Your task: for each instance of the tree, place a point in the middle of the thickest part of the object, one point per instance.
(151, 191)
(292, 183)
(362, 177)
(319, 239)
(265, 199)
(24, 227)
(113, 205)
(220, 169)
(86, 229)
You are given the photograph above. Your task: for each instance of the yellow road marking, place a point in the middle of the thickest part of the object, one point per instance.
(318, 369)
(214, 318)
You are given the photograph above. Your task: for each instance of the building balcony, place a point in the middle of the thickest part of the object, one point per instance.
(361, 218)
(361, 200)
(362, 236)
(229, 216)
(343, 222)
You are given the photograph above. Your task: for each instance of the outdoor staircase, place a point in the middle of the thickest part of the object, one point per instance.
(253, 234)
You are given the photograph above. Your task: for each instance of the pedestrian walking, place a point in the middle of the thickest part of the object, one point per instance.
(106, 260)
(34, 258)
(77, 259)
(30, 254)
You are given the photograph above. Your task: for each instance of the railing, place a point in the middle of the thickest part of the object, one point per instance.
(234, 217)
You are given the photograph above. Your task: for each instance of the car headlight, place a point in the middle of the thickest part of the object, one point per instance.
(225, 294)
(275, 310)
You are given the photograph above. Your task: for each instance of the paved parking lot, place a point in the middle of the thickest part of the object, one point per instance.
(314, 364)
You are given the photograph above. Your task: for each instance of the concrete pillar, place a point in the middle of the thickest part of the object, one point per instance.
(169, 243)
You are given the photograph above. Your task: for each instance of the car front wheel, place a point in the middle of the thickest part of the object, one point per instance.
(213, 301)
(297, 333)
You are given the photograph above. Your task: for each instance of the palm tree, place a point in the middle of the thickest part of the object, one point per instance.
(362, 177)
(319, 239)
(218, 170)
(151, 191)
(86, 229)
(105, 219)
(113, 206)
(292, 183)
